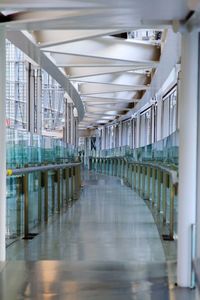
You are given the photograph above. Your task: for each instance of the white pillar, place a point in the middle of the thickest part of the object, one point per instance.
(114, 136)
(133, 134)
(187, 154)
(152, 125)
(67, 122)
(39, 102)
(104, 137)
(31, 93)
(177, 102)
(71, 123)
(159, 124)
(120, 134)
(138, 131)
(107, 137)
(3, 146)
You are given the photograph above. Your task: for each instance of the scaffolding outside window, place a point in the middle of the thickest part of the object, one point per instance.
(16, 87)
(52, 103)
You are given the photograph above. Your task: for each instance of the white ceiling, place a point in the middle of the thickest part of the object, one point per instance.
(111, 74)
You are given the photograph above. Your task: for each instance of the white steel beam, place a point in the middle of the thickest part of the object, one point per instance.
(77, 72)
(81, 60)
(114, 95)
(47, 38)
(99, 88)
(111, 48)
(94, 14)
(104, 99)
(117, 78)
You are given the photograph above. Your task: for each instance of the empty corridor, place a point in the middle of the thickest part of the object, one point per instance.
(106, 246)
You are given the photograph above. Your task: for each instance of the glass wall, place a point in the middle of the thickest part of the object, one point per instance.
(169, 113)
(16, 87)
(19, 73)
(52, 103)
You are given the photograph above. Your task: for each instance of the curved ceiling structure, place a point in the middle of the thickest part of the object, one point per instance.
(99, 46)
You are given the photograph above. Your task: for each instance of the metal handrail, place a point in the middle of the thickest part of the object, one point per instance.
(63, 176)
(26, 170)
(122, 167)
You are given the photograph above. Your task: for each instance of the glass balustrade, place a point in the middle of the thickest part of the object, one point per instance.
(44, 192)
(164, 151)
(24, 148)
(152, 171)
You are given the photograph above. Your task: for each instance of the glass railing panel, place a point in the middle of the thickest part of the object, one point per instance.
(14, 208)
(24, 149)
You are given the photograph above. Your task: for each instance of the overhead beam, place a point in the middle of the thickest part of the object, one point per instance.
(111, 48)
(105, 100)
(108, 102)
(49, 38)
(106, 108)
(80, 60)
(90, 98)
(117, 78)
(115, 95)
(77, 72)
(102, 88)
(101, 114)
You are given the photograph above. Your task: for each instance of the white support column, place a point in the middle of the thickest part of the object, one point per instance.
(107, 137)
(187, 154)
(3, 146)
(138, 131)
(104, 137)
(177, 102)
(72, 123)
(31, 93)
(75, 143)
(67, 122)
(120, 134)
(75, 127)
(101, 138)
(39, 102)
(152, 125)
(159, 124)
(114, 136)
(133, 133)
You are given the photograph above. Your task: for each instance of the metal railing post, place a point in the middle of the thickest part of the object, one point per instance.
(58, 189)
(46, 196)
(164, 197)
(153, 186)
(172, 194)
(67, 184)
(19, 190)
(135, 177)
(148, 182)
(143, 182)
(53, 191)
(158, 189)
(26, 206)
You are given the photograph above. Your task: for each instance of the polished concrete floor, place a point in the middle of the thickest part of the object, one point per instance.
(106, 246)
